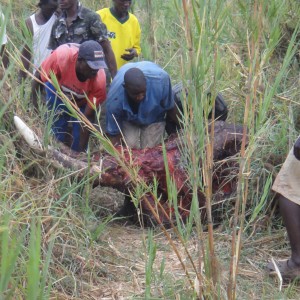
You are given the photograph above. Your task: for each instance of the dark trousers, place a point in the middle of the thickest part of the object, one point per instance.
(62, 117)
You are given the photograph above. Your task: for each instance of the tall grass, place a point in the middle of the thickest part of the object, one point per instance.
(202, 69)
(242, 48)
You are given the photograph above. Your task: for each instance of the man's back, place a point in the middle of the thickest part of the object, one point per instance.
(62, 63)
(158, 99)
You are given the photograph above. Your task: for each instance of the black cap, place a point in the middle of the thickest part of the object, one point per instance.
(92, 53)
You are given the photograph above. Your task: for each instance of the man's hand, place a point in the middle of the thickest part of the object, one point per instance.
(84, 133)
(297, 149)
(129, 56)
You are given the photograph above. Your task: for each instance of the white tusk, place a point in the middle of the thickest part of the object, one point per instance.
(30, 137)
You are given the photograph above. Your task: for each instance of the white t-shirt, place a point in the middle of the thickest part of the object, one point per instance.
(3, 37)
(41, 36)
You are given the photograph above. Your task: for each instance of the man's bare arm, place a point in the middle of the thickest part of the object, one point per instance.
(109, 57)
(84, 131)
(36, 87)
(26, 53)
(174, 115)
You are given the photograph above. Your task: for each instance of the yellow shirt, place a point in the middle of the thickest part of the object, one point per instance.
(122, 36)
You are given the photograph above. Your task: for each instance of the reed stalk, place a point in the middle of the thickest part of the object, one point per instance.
(242, 187)
(151, 38)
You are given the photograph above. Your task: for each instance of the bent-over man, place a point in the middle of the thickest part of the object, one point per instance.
(139, 99)
(39, 26)
(79, 72)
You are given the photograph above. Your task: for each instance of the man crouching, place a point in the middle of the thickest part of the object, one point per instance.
(78, 70)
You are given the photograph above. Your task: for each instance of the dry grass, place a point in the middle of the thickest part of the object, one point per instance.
(114, 268)
(94, 258)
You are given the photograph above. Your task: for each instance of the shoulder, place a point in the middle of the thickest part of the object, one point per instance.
(88, 14)
(151, 68)
(53, 18)
(29, 23)
(103, 12)
(156, 77)
(66, 51)
(60, 19)
(126, 67)
(58, 22)
(133, 18)
(114, 102)
(116, 90)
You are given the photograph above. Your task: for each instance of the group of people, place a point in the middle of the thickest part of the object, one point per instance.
(85, 50)
(78, 52)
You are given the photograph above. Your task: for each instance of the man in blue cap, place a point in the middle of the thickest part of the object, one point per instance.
(79, 72)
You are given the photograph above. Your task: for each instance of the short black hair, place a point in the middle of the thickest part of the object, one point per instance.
(135, 77)
(42, 2)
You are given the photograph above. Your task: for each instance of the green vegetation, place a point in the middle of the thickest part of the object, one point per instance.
(57, 242)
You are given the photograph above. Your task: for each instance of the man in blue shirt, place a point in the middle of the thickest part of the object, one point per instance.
(139, 99)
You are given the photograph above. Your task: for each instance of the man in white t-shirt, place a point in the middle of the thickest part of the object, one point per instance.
(39, 26)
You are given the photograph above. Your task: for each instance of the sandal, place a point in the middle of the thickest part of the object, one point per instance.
(287, 273)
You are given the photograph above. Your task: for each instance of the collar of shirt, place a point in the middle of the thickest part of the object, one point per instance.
(80, 14)
(121, 20)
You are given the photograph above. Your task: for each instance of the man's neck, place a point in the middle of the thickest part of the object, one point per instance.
(72, 11)
(40, 18)
(119, 16)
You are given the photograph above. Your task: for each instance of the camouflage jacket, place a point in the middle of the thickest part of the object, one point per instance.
(86, 26)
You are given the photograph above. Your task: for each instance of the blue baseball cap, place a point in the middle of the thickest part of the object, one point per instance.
(92, 52)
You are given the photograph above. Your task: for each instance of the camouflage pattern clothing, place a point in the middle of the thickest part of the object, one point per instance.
(86, 26)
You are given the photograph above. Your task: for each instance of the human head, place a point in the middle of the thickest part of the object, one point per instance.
(48, 7)
(67, 4)
(135, 84)
(90, 60)
(121, 6)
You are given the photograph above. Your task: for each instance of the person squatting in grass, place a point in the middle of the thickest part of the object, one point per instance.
(124, 31)
(287, 185)
(78, 24)
(3, 41)
(79, 72)
(139, 99)
(39, 26)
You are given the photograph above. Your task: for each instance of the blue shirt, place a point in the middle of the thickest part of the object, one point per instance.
(158, 100)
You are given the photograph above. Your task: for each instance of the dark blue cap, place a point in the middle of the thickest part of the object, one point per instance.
(92, 53)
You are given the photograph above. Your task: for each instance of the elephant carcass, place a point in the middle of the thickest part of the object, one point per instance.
(149, 163)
